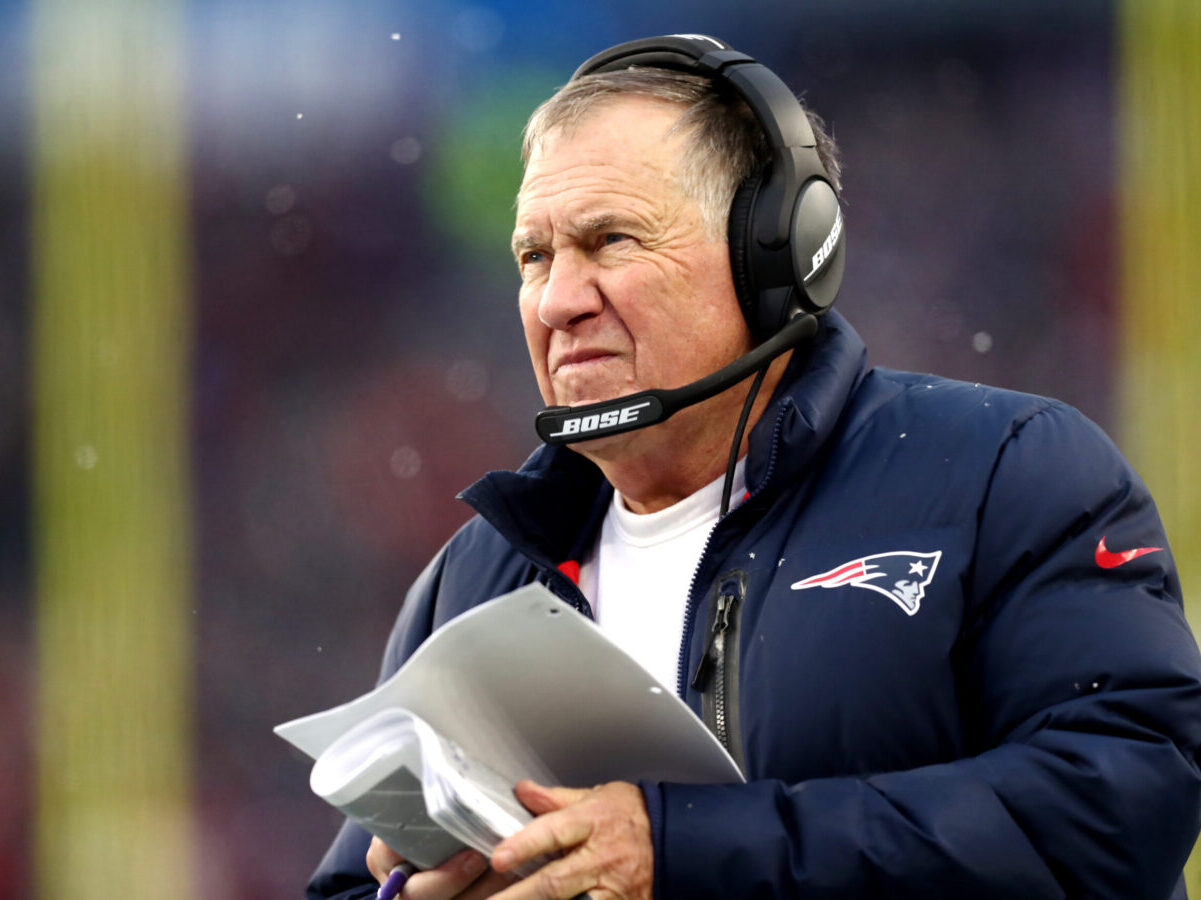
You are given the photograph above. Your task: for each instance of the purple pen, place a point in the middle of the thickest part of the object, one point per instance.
(395, 882)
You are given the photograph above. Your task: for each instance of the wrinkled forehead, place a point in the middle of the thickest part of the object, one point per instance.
(566, 118)
(626, 130)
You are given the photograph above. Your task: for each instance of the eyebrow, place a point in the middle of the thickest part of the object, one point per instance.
(524, 242)
(597, 223)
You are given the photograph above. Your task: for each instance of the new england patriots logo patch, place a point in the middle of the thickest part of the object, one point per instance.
(901, 576)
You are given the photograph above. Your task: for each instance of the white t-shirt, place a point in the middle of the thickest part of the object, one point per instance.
(638, 574)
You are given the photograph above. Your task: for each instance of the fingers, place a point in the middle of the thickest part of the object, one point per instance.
(540, 799)
(381, 859)
(604, 832)
(602, 836)
(465, 876)
(547, 834)
(560, 880)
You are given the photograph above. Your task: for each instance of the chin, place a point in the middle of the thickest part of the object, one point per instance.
(612, 447)
(602, 449)
(595, 391)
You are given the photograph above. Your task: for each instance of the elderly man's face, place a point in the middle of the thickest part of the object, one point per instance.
(622, 290)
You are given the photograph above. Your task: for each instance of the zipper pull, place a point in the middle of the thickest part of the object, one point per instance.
(721, 624)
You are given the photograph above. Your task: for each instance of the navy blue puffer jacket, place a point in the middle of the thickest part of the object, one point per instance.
(950, 655)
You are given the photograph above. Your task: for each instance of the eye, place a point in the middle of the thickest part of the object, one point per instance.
(531, 259)
(614, 237)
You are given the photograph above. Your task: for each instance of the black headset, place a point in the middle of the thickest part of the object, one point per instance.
(787, 242)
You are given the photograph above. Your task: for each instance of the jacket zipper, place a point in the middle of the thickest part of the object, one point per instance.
(729, 687)
(690, 614)
(718, 665)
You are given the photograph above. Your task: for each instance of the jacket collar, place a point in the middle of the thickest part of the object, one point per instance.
(807, 405)
(549, 507)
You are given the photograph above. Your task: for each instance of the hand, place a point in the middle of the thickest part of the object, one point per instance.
(464, 876)
(604, 832)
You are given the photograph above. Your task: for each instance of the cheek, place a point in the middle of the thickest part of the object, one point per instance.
(716, 307)
(537, 341)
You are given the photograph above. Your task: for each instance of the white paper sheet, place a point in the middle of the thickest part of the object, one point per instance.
(532, 689)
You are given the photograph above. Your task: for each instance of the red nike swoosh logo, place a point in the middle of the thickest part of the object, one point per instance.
(1108, 560)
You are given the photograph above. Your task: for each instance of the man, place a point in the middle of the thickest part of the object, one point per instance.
(939, 626)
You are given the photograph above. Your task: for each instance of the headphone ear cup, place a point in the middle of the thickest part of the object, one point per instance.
(762, 278)
(738, 233)
(803, 274)
(818, 243)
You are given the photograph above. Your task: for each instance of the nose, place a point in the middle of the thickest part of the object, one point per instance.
(571, 292)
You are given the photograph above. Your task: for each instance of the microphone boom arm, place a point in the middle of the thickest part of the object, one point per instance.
(569, 424)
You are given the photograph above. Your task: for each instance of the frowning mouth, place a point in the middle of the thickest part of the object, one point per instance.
(579, 358)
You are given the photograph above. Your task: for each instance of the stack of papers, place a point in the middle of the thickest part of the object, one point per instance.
(416, 790)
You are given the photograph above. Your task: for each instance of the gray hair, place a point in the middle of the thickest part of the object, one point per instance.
(725, 147)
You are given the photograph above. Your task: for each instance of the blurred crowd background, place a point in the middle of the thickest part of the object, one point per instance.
(355, 354)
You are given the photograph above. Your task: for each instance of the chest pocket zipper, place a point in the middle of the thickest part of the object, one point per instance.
(716, 675)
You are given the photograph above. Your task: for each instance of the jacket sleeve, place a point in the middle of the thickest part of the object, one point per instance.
(342, 873)
(1081, 695)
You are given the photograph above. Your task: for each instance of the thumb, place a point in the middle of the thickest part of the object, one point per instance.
(539, 798)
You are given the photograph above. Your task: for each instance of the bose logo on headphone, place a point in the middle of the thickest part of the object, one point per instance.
(822, 256)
